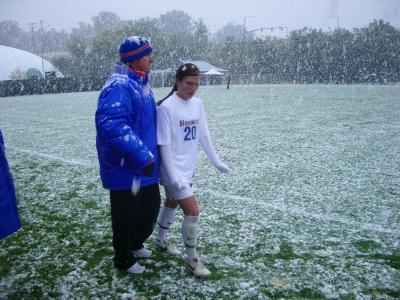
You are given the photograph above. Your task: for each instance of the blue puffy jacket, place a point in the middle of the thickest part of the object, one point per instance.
(9, 219)
(126, 130)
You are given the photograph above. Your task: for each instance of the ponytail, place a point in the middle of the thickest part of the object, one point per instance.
(174, 89)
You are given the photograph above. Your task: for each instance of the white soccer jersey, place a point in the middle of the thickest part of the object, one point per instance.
(180, 124)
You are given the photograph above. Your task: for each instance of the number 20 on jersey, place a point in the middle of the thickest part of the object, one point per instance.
(190, 133)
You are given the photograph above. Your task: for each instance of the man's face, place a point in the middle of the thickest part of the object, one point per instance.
(143, 63)
(188, 86)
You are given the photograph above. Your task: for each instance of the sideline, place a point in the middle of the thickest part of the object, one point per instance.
(52, 157)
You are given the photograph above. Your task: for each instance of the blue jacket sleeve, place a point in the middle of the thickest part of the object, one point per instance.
(9, 218)
(115, 122)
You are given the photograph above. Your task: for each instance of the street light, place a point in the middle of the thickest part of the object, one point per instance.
(334, 17)
(283, 26)
(244, 26)
(270, 28)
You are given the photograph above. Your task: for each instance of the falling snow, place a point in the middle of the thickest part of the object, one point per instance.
(310, 209)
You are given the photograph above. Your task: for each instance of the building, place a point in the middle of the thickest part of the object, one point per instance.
(19, 64)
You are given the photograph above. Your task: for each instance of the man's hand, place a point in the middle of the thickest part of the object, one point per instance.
(148, 169)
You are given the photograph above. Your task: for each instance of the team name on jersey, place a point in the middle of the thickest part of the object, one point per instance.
(183, 123)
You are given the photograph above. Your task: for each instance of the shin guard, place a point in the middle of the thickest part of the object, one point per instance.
(189, 234)
(165, 220)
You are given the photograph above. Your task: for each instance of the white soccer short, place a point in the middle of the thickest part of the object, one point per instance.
(176, 194)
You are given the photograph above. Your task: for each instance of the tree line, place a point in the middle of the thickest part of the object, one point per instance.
(365, 54)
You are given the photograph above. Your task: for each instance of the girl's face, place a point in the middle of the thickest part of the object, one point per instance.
(188, 86)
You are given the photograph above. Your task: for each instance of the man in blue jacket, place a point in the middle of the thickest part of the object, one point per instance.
(127, 150)
(9, 219)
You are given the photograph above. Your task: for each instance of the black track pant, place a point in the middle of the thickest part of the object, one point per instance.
(133, 219)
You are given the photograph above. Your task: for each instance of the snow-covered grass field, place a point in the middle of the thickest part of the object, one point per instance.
(311, 209)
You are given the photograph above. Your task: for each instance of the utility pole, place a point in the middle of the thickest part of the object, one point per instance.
(244, 27)
(32, 25)
(42, 33)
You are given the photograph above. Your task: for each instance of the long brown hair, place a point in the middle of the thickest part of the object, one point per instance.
(183, 71)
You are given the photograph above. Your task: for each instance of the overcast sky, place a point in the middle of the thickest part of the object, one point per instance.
(294, 14)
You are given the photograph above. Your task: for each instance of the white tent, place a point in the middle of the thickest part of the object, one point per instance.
(204, 66)
(13, 60)
(213, 71)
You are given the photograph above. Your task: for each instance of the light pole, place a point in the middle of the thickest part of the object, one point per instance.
(337, 20)
(244, 26)
(42, 33)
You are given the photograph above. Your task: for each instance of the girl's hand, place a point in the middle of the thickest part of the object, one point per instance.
(223, 168)
(178, 183)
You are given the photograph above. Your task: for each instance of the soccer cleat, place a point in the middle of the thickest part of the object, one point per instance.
(197, 268)
(136, 268)
(142, 253)
(166, 247)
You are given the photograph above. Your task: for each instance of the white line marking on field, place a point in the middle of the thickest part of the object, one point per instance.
(298, 211)
(278, 207)
(53, 157)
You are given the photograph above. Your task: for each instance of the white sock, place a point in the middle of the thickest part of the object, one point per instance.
(165, 220)
(189, 234)
(136, 268)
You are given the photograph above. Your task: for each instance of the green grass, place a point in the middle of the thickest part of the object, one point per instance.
(310, 210)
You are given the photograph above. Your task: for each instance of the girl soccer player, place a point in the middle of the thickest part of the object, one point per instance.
(181, 126)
